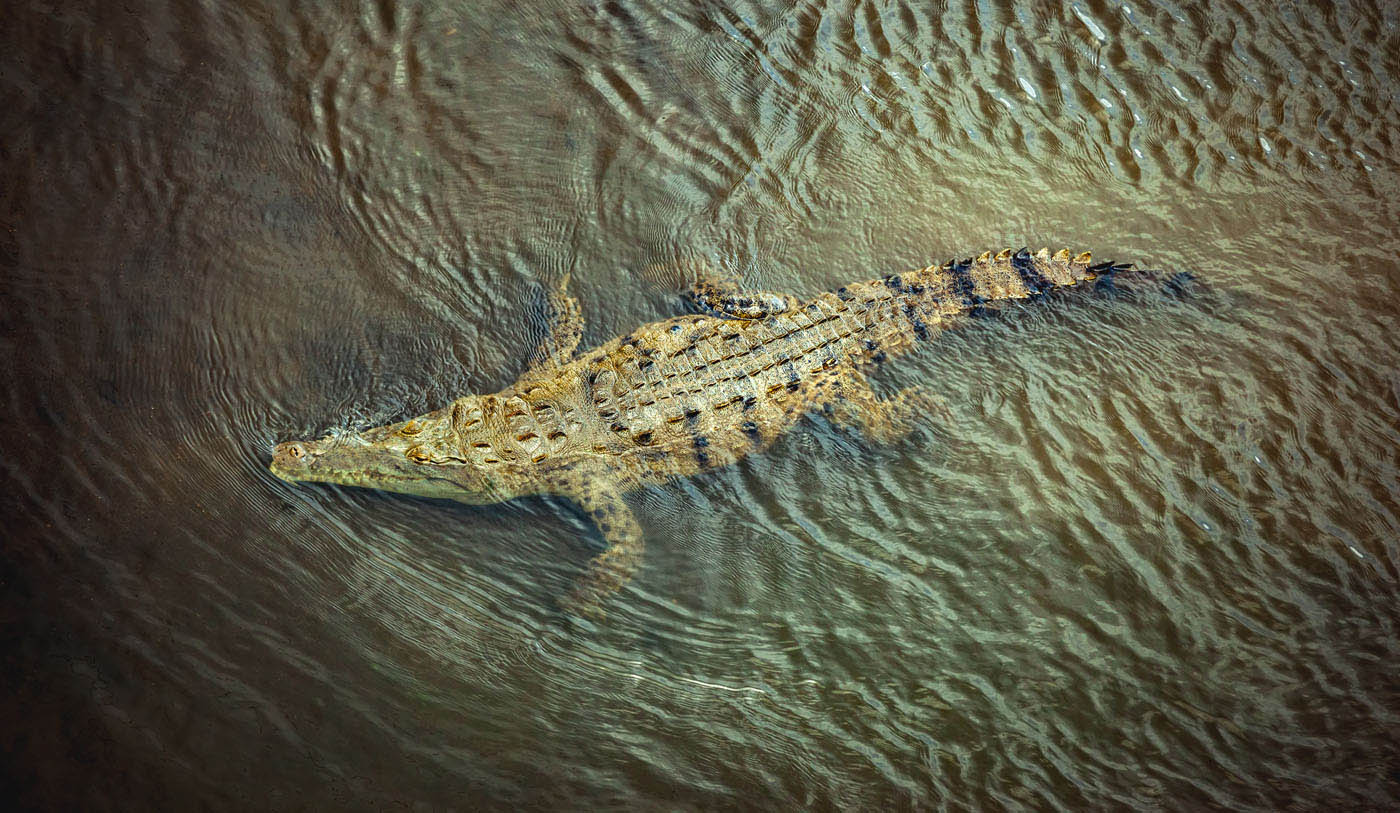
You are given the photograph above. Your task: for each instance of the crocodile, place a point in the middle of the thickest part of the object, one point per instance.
(678, 397)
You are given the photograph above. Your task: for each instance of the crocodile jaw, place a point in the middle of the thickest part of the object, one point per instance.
(384, 458)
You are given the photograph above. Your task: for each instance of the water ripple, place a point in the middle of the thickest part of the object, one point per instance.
(1148, 559)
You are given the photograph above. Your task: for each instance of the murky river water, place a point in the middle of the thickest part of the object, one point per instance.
(1150, 562)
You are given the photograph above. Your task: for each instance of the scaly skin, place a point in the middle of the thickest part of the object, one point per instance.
(676, 397)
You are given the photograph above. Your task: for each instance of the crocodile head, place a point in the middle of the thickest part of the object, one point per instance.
(422, 456)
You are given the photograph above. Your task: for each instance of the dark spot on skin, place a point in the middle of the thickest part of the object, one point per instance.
(963, 284)
(702, 458)
(920, 329)
(1035, 282)
(617, 427)
(750, 428)
(791, 372)
(793, 385)
(749, 402)
(880, 357)
(844, 295)
(604, 526)
(701, 442)
(675, 328)
(894, 282)
(645, 438)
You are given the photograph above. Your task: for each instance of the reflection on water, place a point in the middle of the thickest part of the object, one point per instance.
(1151, 560)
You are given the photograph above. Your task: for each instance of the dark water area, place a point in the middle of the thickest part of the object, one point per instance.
(1151, 561)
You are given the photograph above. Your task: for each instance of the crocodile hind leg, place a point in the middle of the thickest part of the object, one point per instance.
(565, 329)
(850, 401)
(724, 297)
(608, 571)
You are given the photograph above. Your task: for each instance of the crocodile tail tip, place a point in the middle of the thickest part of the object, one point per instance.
(1182, 283)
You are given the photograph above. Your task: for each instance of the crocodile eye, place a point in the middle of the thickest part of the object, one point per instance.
(295, 450)
(418, 454)
(413, 427)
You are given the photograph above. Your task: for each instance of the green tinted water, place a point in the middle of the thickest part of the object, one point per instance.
(1151, 561)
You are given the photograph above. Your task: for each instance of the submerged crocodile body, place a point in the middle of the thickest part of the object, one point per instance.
(676, 397)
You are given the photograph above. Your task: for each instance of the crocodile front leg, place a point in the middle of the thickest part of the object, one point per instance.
(726, 298)
(602, 500)
(565, 329)
(850, 401)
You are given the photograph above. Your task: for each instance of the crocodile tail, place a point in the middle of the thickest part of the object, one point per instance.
(1021, 274)
(924, 297)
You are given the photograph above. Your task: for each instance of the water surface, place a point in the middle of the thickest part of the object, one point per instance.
(1150, 562)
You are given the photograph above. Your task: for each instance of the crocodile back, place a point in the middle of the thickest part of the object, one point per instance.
(697, 392)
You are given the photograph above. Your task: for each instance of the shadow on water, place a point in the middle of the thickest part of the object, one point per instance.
(1150, 559)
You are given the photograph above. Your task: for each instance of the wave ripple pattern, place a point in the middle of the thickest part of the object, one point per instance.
(1150, 560)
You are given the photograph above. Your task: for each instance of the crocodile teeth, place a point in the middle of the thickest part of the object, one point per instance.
(984, 258)
(1043, 255)
(1062, 256)
(1003, 255)
(1083, 259)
